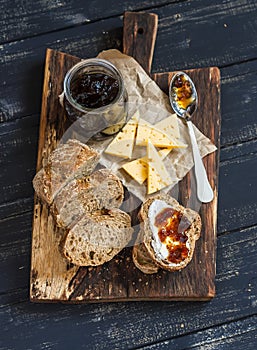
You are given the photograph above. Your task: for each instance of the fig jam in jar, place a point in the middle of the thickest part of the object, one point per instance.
(94, 95)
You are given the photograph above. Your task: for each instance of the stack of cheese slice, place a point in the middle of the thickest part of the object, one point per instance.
(164, 135)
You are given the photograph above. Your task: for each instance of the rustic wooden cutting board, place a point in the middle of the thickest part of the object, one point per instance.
(52, 277)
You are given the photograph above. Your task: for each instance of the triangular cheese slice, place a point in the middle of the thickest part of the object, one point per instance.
(158, 176)
(169, 126)
(147, 131)
(138, 168)
(122, 145)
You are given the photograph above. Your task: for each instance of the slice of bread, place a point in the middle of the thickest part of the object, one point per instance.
(145, 239)
(68, 161)
(101, 189)
(97, 237)
(142, 260)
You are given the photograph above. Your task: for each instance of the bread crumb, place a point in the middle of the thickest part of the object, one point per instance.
(136, 290)
(140, 280)
(146, 283)
(182, 325)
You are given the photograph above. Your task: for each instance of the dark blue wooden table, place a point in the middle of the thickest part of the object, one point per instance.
(191, 34)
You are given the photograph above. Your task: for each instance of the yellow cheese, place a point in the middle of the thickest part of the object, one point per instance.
(138, 168)
(147, 131)
(122, 145)
(169, 126)
(158, 176)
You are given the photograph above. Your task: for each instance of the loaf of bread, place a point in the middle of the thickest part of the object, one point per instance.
(145, 254)
(68, 161)
(97, 237)
(101, 189)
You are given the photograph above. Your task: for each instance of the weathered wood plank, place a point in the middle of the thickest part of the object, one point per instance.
(187, 26)
(238, 150)
(236, 335)
(16, 207)
(20, 198)
(12, 297)
(238, 188)
(139, 35)
(22, 62)
(127, 325)
(238, 123)
(200, 33)
(105, 326)
(18, 144)
(14, 251)
(33, 18)
(53, 280)
(238, 103)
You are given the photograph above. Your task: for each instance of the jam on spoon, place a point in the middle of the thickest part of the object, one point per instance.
(183, 91)
(184, 101)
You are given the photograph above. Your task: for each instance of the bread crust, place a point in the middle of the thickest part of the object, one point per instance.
(101, 189)
(68, 161)
(142, 260)
(97, 237)
(145, 234)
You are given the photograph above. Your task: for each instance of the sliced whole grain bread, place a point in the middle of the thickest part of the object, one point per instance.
(145, 235)
(142, 259)
(101, 189)
(97, 237)
(68, 161)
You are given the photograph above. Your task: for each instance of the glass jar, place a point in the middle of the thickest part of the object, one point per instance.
(94, 95)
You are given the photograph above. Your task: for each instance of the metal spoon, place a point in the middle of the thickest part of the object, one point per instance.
(184, 103)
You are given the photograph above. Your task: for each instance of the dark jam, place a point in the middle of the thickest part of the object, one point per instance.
(94, 90)
(183, 91)
(172, 226)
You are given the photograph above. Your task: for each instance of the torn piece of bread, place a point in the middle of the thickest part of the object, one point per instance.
(68, 161)
(97, 237)
(101, 189)
(168, 232)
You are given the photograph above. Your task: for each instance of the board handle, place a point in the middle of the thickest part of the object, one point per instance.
(139, 35)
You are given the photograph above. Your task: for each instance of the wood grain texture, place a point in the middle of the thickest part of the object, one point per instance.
(119, 279)
(139, 35)
(240, 334)
(34, 18)
(236, 212)
(19, 138)
(183, 41)
(131, 325)
(192, 33)
(207, 119)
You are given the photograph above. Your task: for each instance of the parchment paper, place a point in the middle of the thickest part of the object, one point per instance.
(153, 105)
